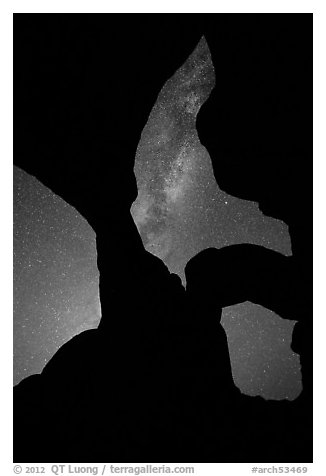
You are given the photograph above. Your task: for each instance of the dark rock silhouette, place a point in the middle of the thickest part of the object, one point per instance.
(153, 382)
(270, 160)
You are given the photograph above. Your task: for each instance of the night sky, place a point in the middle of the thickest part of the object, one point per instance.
(179, 211)
(55, 275)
